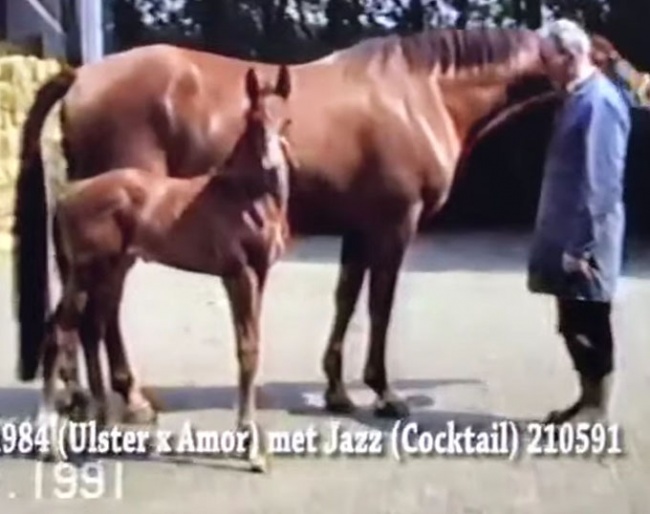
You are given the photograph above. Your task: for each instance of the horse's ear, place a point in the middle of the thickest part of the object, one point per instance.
(283, 85)
(252, 86)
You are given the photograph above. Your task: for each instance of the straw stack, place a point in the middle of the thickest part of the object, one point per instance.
(20, 78)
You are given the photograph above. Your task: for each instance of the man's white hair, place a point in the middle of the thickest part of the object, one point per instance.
(568, 36)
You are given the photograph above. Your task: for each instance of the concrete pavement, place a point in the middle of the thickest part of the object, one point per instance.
(468, 344)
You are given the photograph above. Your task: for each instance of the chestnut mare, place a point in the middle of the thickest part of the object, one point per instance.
(230, 224)
(379, 131)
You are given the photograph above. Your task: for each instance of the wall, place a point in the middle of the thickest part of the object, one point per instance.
(24, 20)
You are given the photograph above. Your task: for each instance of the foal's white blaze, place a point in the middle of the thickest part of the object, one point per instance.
(273, 158)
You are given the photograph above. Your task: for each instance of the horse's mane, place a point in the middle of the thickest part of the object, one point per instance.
(451, 52)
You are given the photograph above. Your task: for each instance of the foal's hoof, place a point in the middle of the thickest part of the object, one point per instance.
(259, 463)
(149, 395)
(255, 450)
(140, 415)
(391, 409)
(338, 402)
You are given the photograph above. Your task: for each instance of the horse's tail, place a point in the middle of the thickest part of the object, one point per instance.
(30, 228)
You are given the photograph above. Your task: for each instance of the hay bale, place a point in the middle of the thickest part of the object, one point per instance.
(20, 78)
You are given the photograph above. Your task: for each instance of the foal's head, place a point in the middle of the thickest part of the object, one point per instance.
(261, 158)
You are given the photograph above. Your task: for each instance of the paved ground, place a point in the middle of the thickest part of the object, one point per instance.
(468, 345)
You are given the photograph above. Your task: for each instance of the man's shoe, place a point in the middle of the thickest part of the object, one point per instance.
(591, 406)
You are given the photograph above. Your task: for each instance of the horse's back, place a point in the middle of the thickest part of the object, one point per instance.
(359, 131)
(150, 107)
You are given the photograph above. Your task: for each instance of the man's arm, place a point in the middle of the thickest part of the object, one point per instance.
(606, 134)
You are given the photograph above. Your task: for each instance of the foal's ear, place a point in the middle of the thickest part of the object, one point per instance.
(252, 86)
(283, 85)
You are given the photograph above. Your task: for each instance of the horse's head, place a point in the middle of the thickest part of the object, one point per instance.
(532, 62)
(262, 156)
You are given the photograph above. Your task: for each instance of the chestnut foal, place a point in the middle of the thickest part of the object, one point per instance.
(230, 224)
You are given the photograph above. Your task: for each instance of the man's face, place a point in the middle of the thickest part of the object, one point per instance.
(560, 65)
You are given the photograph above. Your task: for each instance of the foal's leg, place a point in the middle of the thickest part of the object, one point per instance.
(352, 271)
(244, 294)
(138, 408)
(388, 250)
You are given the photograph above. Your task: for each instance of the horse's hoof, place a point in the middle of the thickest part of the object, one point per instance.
(47, 457)
(141, 415)
(80, 409)
(338, 403)
(101, 418)
(77, 413)
(392, 409)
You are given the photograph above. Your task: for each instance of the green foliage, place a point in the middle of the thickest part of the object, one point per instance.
(294, 30)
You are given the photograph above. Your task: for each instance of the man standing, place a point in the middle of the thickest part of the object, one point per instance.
(577, 247)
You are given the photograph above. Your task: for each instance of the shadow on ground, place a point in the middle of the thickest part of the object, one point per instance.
(298, 399)
(293, 398)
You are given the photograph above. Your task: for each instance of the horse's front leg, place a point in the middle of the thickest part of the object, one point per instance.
(354, 263)
(388, 250)
(244, 291)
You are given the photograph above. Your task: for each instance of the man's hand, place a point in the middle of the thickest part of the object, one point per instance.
(571, 264)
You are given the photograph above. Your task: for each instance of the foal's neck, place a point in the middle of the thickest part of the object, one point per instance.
(233, 187)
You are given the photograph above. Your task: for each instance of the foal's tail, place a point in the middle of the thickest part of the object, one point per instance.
(31, 281)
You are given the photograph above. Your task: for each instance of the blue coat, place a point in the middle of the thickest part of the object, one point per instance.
(581, 209)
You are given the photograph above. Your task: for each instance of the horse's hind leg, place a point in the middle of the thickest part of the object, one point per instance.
(244, 293)
(75, 399)
(354, 263)
(388, 250)
(138, 408)
(92, 327)
(48, 415)
(61, 340)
